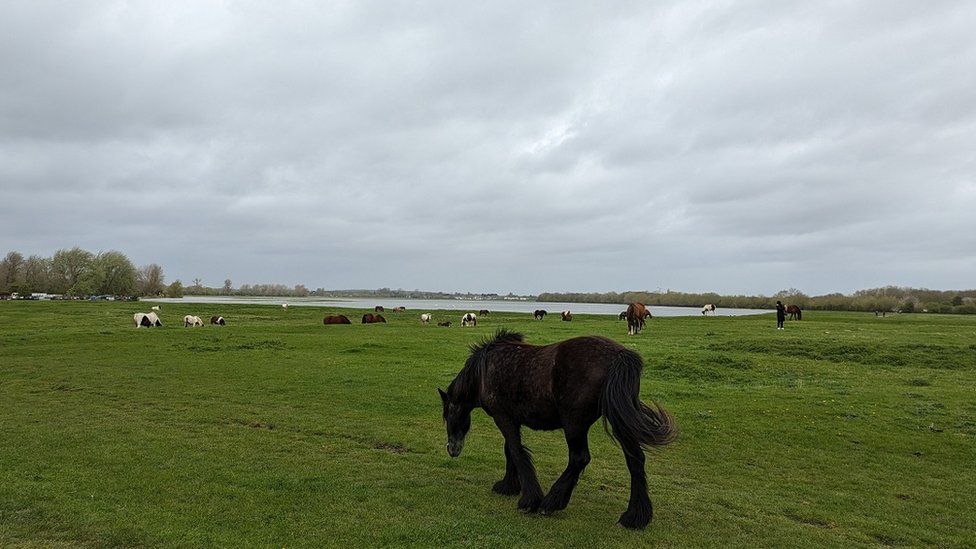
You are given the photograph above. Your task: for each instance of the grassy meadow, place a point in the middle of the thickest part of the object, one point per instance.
(843, 430)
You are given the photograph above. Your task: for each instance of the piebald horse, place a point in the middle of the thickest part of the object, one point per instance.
(190, 320)
(148, 320)
(425, 318)
(708, 309)
(469, 319)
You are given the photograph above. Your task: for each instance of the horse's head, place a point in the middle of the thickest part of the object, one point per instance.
(457, 419)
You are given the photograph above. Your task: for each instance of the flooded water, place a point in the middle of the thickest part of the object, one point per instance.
(423, 305)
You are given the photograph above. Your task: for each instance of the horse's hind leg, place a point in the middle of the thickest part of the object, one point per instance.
(508, 486)
(579, 457)
(639, 511)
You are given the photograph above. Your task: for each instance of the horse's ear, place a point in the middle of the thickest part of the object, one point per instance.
(443, 395)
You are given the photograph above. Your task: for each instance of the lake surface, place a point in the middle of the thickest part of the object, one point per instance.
(422, 305)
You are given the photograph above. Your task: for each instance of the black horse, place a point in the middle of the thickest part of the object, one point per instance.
(566, 385)
(539, 314)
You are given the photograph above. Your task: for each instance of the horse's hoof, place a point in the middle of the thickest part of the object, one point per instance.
(529, 505)
(505, 488)
(634, 520)
(550, 505)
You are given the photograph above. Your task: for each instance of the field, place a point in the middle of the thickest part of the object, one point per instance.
(843, 430)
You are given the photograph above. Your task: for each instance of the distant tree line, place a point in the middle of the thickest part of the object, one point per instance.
(888, 298)
(80, 273)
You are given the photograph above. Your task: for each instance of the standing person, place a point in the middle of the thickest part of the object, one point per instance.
(780, 315)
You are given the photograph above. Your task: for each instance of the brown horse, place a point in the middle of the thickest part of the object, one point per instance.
(636, 313)
(445, 324)
(539, 314)
(483, 312)
(567, 316)
(370, 318)
(336, 319)
(378, 309)
(794, 312)
(566, 385)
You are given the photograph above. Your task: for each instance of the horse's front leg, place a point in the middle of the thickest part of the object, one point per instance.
(579, 457)
(522, 460)
(510, 485)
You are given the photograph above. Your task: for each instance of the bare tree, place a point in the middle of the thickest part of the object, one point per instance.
(228, 286)
(36, 277)
(12, 269)
(150, 280)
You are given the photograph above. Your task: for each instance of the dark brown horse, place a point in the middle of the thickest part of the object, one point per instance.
(566, 385)
(378, 309)
(567, 316)
(483, 312)
(336, 319)
(636, 313)
(370, 318)
(445, 324)
(794, 312)
(539, 314)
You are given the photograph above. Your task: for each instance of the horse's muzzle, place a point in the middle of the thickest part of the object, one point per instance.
(454, 448)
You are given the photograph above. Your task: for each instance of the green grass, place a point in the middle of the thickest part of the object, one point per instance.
(843, 430)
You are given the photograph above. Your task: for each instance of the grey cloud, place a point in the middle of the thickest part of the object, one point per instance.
(742, 147)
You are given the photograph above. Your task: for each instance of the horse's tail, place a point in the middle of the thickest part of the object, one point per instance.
(634, 424)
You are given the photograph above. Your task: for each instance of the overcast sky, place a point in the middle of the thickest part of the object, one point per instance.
(698, 146)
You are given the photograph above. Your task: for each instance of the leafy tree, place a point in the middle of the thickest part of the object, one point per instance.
(175, 289)
(228, 286)
(957, 300)
(68, 267)
(114, 274)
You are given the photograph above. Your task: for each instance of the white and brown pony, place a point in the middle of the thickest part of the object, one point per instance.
(148, 320)
(218, 320)
(469, 319)
(190, 320)
(425, 318)
(284, 306)
(567, 316)
(708, 309)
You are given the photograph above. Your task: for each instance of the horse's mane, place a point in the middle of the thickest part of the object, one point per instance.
(466, 385)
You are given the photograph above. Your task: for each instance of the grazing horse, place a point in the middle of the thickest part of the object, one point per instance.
(399, 309)
(708, 309)
(567, 316)
(284, 306)
(370, 318)
(218, 320)
(379, 309)
(622, 315)
(154, 308)
(148, 320)
(469, 319)
(539, 314)
(794, 312)
(190, 320)
(483, 312)
(425, 318)
(445, 324)
(636, 313)
(336, 319)
(566, 385)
